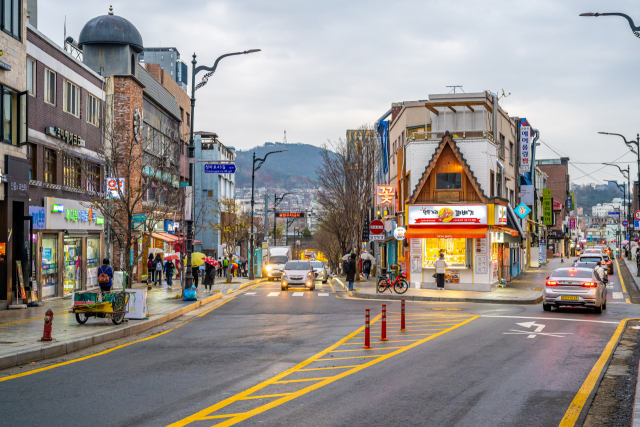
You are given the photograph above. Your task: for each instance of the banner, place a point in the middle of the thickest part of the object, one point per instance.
(525, 149)
(447, 214)
(547, 207)
(526, 194)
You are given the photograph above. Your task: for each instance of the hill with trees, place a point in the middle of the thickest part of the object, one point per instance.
(587, 196)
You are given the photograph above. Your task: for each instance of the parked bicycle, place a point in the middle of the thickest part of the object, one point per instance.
(400, 284)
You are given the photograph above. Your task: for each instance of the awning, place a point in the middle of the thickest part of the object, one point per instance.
(468, 232)
(170, 238)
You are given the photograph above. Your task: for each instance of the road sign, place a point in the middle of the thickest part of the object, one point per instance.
(636, 215)
(373, 237)
(184, 184)
(625, 223)
(219, 168)
(636, 224)
(376, 227)
(614, 213)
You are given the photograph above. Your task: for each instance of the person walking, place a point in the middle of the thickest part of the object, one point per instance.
(157, 268)
(209, 277)
(150, 271)
(168, 271)
(367, 267)
(225, 266)
(351, 271)
(440, 264)
(105, 276)
(219, 267)
(195, 272)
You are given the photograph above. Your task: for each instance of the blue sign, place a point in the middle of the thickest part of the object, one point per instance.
(522, 210)
(46, 253)
(38, 215)
(614, 213)
(171, 226)
(636, 224)
(625, 223)
(138, 218)
(219, 168)
(184, 184)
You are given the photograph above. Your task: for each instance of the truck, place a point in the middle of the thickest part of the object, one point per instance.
(278, 258)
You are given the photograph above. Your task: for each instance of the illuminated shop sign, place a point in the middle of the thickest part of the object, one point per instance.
(57, 208)
(289, 214)
(385, 195)
(447, 215)
(65, 135)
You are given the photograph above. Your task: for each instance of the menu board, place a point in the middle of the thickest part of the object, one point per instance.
(482, 264)
(481, 245)
(416, 246)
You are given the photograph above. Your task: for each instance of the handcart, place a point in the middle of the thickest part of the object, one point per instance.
(110, 305)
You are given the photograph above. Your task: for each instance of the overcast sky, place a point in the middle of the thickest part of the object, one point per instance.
(327, 66)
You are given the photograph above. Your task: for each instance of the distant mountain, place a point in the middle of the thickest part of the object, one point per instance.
(292, 169)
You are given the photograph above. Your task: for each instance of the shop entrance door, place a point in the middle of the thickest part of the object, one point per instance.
(506, 264)
(49, 263)
(72, 264)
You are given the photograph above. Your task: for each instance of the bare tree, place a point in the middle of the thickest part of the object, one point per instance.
(326, 243)
(232, 224)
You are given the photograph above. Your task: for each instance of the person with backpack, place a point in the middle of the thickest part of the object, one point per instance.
(225, 266)
(350, 270)
(158, 267)
(105, 276)
(150, 271)
(168, 270)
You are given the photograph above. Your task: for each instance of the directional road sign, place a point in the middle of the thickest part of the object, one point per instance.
(636, 224)
(614, 213)
(219, 168)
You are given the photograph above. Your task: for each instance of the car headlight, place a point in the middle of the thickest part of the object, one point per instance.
(268, 268)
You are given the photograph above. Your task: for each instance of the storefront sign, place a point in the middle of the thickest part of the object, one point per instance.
(171, 226)
(398, 233)
(18, 187)
(501, 215)
(416, 263)
(385, 195)
(556, 234)
(415, 246)
(289, 214)
(526, 194)
(572, 223)
(525, 149)
(547, 207)
(447, 215)
(38, 215)
(74, 216)
(57, 208)
(65, 135)
(573, 200)
(112, 187)
(522, 210)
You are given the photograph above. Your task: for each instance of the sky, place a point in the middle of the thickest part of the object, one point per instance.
(327, 66)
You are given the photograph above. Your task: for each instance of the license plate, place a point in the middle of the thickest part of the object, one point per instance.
(567, 298)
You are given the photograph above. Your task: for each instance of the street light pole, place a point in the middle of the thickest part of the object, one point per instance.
(634, 29)
(276, 202)
(253, 178)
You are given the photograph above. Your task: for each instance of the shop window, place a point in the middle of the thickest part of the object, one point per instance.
(12, 12)
(31, 76)
(71, 98)
(14, 116)
(71, 172)
(492, 184)
(31, 156)
(448, 181)
(93, 177)
(455, 251)
(49, 86)
(93, 110)
(93, 260)
(50, 166)
(49, 263)
(72, 264)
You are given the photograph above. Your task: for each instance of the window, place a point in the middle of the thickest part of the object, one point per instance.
(162, 58)
(93, 110)
(31, 76)
(49, 86)
(448, 181)
(501, 146)
(455, 251)
(181, 113)
(71, 172)
(31, 156)
(210, 193)
(512, 153)
(151, 194)
(93, 177)
(50, 166)
(492, 183)
(188, 119)
(172, 73)
(71, 98)
(172, 65)
(12, 11)
(172, 57)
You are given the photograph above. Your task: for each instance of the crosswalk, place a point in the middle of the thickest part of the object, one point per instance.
(294, 294)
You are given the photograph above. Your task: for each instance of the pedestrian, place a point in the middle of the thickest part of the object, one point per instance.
(157, 267)
(195, 272)
(225, 266)
(219, 267)
(150, 271)
(351, 271)
(168, 270)
(209, 277)
(440, 264)
(105, 276)
(367, 267)
(601, 275)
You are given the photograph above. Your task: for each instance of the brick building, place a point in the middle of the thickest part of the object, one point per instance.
(558, 182)
(65, 168)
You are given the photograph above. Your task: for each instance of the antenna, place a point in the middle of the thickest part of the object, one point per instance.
(454, 88)
(504, 95)
(284, 140)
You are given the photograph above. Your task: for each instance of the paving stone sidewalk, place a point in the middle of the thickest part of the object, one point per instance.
(21, 330)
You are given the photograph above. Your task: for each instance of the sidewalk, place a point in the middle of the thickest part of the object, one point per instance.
(527, 288)
(21, 330)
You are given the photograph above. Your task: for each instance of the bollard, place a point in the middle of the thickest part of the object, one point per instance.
(48, 325)
(383, 330)
(402, 316)
(367, 343)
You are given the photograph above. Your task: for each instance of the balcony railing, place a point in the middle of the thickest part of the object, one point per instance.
(456, 134)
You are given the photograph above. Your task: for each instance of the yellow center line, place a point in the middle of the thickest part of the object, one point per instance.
(265, 396)
(345, 358)
(624, 289)
(365, 349)
(301, 381)
(329, 368)
(203, 414)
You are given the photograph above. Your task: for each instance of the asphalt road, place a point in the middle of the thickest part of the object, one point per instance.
(457, 365)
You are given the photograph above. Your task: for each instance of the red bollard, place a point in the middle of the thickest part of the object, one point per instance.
(48, 325)
(383, 335)
(402, 316)
(367, 343)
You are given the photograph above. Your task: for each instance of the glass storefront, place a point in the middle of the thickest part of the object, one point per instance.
(455, 251)
(93, 260)
(49, 263)
(72, 264)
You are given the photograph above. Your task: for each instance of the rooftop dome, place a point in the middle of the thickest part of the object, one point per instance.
(111, 29)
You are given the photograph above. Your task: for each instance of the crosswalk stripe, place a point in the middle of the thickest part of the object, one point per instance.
(323, 294)
(273, 294)
(298, 294)
(250, 293)
(617, 295)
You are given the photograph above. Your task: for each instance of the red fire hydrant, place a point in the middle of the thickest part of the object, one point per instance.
(48, 324)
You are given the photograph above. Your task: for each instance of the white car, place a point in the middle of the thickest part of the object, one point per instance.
(322, 273)
(574, 286)
(298, 273)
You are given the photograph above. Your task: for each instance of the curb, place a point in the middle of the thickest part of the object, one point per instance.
(54, 350)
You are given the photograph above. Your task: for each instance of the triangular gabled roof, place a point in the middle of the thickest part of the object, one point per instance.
(447, 140)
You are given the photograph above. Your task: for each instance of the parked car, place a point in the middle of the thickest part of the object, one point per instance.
(321, 270)
(298, 273)
(575, 286)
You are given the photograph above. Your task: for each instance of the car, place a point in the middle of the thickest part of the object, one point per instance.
(593, 251)
(575, 286)
(321, 270)
(607, 263)
(604, 249)
(275, 266)
(298, 273)
(591, 260)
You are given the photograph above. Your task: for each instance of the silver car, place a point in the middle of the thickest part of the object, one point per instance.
(321, 270)
(575, 286)
(298, 273)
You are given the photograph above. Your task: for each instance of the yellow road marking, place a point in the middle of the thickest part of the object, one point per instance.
(331, 284)
(572, 414)
(213, 308)
(301, 381)
(325, 369)
(32, 319)
(383, 342)
(205, 413)
(624, 289)
(69, 362)
(264, 396)
(363, 349)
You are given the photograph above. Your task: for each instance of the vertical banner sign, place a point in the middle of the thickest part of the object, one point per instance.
(573, 200)
(525, 149)
(188, 202)
(572, 223)
(547, 207)
(570, 202)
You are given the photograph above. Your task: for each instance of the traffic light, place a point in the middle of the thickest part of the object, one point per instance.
(604, 241)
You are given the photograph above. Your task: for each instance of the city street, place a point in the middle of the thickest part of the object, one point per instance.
(266, 357)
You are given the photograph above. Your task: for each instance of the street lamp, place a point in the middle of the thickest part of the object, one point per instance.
(626, 174)
(191, 150)
(634, 29)
(253, 178)
(276, 202)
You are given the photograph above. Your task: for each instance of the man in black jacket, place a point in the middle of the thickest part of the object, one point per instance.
(351, 271)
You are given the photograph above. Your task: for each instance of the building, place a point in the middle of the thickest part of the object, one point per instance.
(602, 210)
(209, 188)
(558, 183)
(168, 58)
(66, 100)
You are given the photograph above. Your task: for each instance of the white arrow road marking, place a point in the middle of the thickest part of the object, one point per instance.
(537, 331)
(617, 295)
(539, 328)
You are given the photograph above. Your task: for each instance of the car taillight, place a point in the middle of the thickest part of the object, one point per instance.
(552, 283)
(589, 284)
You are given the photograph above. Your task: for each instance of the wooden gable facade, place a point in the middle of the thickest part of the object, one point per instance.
(447, 159)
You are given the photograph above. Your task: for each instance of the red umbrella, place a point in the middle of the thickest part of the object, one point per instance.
(171, 257)
(211, 261)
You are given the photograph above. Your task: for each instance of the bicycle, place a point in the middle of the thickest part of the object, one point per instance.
(400, 285)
